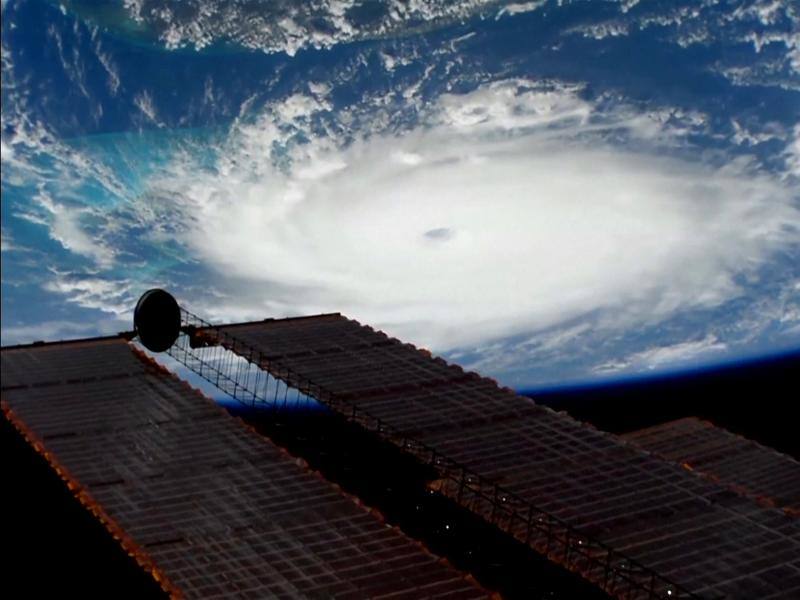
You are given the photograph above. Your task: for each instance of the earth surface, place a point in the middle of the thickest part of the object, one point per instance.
(546, 191)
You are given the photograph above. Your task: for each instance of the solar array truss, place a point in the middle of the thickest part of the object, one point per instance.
(207, 505)
(750, 468)
(637, 526)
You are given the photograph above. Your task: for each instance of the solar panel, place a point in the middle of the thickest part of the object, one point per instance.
(202, 501)
(731, 459)
(635, 524)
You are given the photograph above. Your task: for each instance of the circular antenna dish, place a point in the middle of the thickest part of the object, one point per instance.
(157, 320)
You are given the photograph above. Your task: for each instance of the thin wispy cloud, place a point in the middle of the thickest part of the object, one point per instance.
(58, 330)
(109, 295)
(660, 356)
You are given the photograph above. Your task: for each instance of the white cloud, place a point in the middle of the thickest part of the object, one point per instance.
(108, 64)
(6, 152)
(793, 153)
(64, 227)
(6, 242)
(545, 220)
(516, 8)
(144, 102)
(108, 295)
(60, 330)
(662, 356)
(291, 26)
(550, 346)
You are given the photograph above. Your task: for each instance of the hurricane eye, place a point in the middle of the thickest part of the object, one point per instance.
(439, 234)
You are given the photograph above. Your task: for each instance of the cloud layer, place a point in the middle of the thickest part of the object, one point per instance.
(537, 231)
(507, 209)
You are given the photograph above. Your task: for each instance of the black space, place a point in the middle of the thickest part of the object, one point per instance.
(757, 399)
(53, 547)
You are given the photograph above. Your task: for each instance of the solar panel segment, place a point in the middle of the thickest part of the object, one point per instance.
(205, 503)
(735, 461)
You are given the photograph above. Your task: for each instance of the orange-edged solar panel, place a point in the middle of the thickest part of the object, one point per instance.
(731, 459)
(212, 508)
(635, 524)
